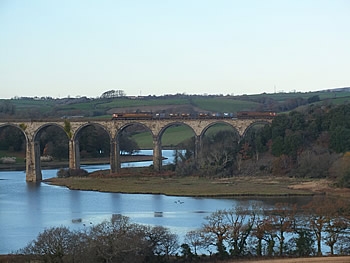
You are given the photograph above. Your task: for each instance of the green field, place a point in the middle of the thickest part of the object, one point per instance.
(140, 181)
(174, 135)
(125, 102)
(101, 108)
(223, 104)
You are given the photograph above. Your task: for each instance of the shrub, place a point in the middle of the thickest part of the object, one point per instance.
(64, 173)
(46, 158)
(8, 160)
(344, 181)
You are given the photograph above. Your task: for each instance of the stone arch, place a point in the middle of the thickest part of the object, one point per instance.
(22, 131)
(74, 158)
(39, 130)
(220, 122)
(217, 152)
(158, 139)
(171, 124)
(124, 126)
(42, 128)
(258, 122)
(80, 128)
(17, 127)
(115, 152)
(33, 164)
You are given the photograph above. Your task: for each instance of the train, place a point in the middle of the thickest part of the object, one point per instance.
(200, 115)
(256, 114)
(132, 115)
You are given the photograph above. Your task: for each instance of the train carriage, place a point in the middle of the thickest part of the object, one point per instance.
(256, 114)
(132, 116)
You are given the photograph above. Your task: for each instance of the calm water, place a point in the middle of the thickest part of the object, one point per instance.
(28, 208)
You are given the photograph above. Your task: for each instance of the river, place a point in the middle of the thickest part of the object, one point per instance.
(26, 209)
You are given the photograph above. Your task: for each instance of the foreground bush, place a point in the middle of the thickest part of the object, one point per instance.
(240, 232)
(116, 240)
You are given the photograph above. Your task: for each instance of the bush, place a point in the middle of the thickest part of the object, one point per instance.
(344, 181)
(8, 160)
(64, 173)
(46, 158)
(117, 240)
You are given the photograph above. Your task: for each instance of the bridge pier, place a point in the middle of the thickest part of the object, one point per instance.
(74, 154)
(33, 167)
(197, 147)
(114, 157)
(157, 154)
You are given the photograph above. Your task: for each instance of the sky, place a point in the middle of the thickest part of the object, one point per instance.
(155, 47)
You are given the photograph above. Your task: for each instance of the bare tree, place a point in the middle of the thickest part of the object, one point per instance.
(335, 227)
(53, 244)
(218, 226)
(323, 215)
(283, 219)
(241, 222)
(197, 239)
(118, 240)
(162, 241)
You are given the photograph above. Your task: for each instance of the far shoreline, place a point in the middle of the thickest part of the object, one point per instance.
(91, 161)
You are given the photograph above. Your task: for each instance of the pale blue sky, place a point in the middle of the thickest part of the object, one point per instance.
(155, 47)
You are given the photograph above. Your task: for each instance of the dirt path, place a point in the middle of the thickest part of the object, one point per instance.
(322, 186)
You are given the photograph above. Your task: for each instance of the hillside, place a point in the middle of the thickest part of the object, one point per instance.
(47, 107)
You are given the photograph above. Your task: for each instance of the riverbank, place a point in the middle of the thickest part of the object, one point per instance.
(90, 161)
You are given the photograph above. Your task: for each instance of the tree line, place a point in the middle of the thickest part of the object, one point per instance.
(240, 232)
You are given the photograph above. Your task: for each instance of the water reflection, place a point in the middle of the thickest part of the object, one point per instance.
(28, 208)
(75, 206)
(158, 204)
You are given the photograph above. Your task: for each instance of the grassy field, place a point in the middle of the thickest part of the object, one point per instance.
(223, 104)
(125, 102)
(141, 181)
(174, 135)
(102, 108)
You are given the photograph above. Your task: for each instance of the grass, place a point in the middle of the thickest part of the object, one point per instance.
(125, 102)
(222, 104)
(174, 135)
(185, 186)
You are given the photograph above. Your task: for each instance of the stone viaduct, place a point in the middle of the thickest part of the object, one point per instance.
(32, 129)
